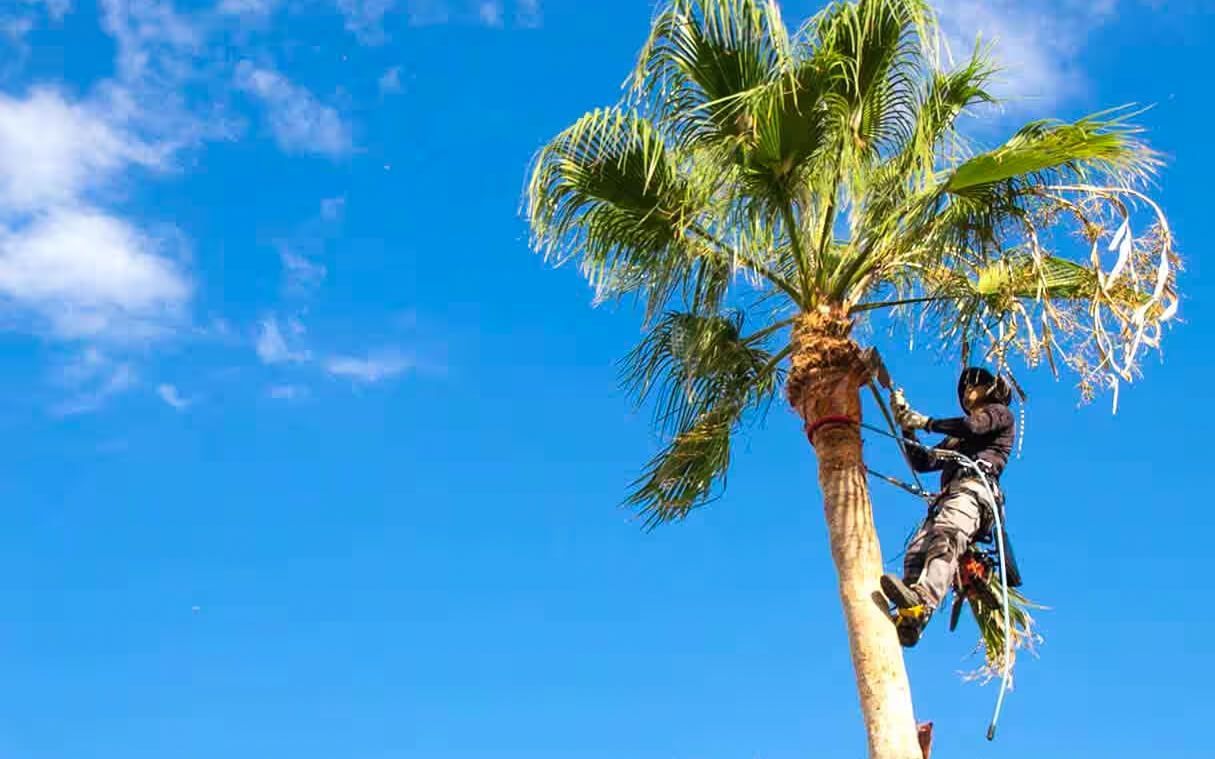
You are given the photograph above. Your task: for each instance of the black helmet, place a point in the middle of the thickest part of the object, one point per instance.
(999, 391)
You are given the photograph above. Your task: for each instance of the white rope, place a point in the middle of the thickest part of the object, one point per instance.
(971, 464)
(1008, 632)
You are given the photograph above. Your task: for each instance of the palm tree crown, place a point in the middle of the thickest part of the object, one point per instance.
(753, 177)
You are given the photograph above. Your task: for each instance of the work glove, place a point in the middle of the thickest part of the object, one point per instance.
(904, 415)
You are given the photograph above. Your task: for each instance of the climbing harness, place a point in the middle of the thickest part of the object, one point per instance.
(879, 373)
(998, 523)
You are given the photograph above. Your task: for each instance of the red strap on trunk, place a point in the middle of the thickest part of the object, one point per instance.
(826, 421)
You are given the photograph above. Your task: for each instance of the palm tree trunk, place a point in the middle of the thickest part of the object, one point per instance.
(877, 659)
(825, 381)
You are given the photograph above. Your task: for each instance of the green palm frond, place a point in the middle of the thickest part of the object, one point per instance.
(1001, 201)
(1015, 276)
(988, 614)
(984, 203)
(876, 50)
(610, 193)
(791, 128)
(1102, 145)
(702, 58)
(706, 375)
(947, 96)
(697, 362)
(880, 224)
(684, 474)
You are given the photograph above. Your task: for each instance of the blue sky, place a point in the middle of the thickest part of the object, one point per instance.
(309, 456)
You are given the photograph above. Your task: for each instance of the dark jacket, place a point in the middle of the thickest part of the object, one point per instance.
(986, 435)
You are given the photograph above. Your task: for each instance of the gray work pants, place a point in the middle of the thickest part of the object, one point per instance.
(953, 522)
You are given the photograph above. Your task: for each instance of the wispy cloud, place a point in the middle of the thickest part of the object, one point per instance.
(288, 392)
(528, 14)
(365, 18)
(57, 9)
(390, 81)
(172, 396)
(1037, 42)
(301, 276)
(332, 208)
(490, 12)
(260, 8)
(92, 378)
(272, 346)
(156, 51)
(370, 369)
(299, 122)
(427, 12)
(18, 19)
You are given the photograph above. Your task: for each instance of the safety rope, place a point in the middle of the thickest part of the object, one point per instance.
(877, 396)
(971, 464)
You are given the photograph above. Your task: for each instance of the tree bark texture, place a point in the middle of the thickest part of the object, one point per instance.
(825, 381)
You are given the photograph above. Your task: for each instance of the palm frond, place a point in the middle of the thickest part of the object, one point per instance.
(1096, 317)
(1100, 147)
(997, 201)
(791, 128)
(705, 375)
(697, 362)
(702, 57)
(947, 97)
(988, 612)
(877, 51)
(879, 224)
(610, 193)
(683, 475)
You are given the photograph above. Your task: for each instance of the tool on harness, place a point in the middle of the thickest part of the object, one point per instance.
(878, 372)
(999, 391)
(975, 569)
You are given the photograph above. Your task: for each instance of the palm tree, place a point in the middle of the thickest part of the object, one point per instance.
(763, 192)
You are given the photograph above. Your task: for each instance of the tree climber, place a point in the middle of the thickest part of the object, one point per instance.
(963, 510)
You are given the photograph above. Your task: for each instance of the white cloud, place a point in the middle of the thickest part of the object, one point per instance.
(374, 368)
(155, 42)
(390, 81)
(54, 152)
(13, 30)
(332, 208)
(165, 83)
(90, 275)
(427, 12)
(364, 18)
(1036, 42)
(272, 347)
(300, 275)
(92, 378)
(172, 396)
(300, 123)
(260, 8)
(69, 268)
(490, 12)
(528, 14)
(56, 9)
(289, 392)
